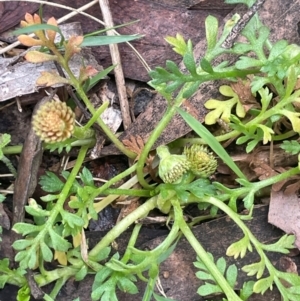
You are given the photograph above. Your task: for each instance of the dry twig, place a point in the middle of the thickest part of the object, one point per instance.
(116, 60)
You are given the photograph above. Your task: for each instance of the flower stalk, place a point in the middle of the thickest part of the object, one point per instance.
(202, 254)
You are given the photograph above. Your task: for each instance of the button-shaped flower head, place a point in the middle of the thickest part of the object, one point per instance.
(54, 122)
(203, 163)
(171, 167)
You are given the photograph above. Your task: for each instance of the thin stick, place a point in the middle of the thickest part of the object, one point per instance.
(116, 60)
(240, 25)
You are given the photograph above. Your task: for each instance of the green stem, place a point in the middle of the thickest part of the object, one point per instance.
(51, 276)
(152, 257)
(12, 150)
(275, 179)
(58, 286)
(284, 136)
(274, 110)
(97, 114)
(183, 141)
(131, 243)
(14, 278)
(205, 77)
(9, 165)
(109, 199)
(131, 192)
(119, 228)
(60, 202)
(171, 110)
(90, 107)
(257, 186)
(65, 191)
(238, 220)
(233, 134)
(202, 254)
(17, 149)
(90, 142)
(114, 180)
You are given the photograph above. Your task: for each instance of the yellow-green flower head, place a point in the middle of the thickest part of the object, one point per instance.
(203, 163)
(54, 122)
(171, 167)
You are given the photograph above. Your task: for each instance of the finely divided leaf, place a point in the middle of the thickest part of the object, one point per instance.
(247, 290)
(208, 289)
(58, 242)
(256, 268)
(22, 244)
(46, 252)
(221, 265)
(189, 61)
(51, 182)
(262, 285)
(239, 248)
(127, 286)
(87, 177)
(72, 220)
(292, 147)
(24, 228)
(283, 245)
(231, 275)
(211, 30)
(206, 66)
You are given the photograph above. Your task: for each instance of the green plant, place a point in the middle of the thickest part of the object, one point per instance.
(185, 174)
(4, 140)
(231, 273)
(45, 37)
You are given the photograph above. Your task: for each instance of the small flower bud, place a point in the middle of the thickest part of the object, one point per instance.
(171, 167)
(203, 163)
(54, 122)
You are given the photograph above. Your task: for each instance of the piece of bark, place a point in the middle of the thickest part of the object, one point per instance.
(156, 21)
(196, 4)
(281, 19)
(11, 12)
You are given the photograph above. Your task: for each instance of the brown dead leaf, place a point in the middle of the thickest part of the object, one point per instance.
(128, 208)
(4, 219)
(288, 265)
(243, 90)
(84, 247)
(264, 171)
(288, 186)
(292, 188)
(284, 213)
(190, 108)
(152, 168)
(135, 144)
(297, 86)
(61, 257)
